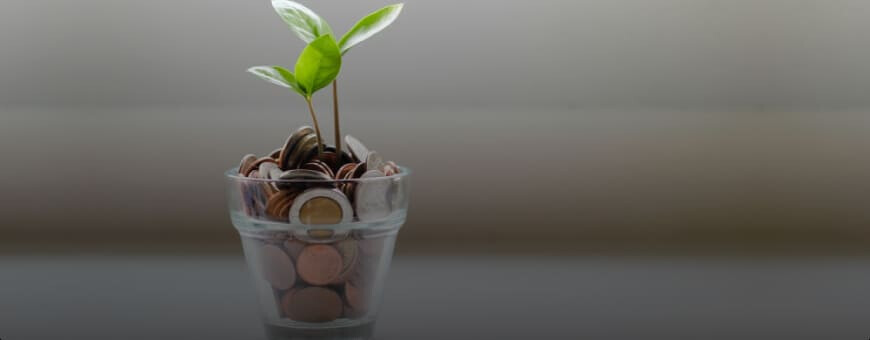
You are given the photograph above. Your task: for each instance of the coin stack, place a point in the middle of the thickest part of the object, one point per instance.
(320, 282)
(320, 278)
(312, 187)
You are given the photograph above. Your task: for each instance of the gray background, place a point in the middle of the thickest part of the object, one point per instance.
(546, 126)
(559, 53)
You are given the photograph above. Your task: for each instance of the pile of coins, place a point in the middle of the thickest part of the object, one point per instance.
(307, 185)
(320, 282)
(315, 275)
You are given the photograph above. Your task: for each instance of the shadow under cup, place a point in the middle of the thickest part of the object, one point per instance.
(319, 251)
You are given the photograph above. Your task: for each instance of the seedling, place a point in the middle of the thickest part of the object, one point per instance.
(320, 62)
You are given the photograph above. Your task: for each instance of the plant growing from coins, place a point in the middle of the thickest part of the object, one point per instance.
(317, 66)
(320, 62)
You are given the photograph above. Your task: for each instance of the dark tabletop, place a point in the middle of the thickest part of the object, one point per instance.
(91, 297)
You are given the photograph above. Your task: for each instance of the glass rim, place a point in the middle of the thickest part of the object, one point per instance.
(233, 174)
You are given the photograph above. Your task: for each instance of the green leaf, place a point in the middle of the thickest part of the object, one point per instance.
(318, 65)
(303, 21)
(369, 26)
(277, 75)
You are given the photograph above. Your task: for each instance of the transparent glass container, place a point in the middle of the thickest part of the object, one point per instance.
(319, 261)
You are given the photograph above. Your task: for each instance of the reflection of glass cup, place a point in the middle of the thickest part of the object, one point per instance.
(319, 251)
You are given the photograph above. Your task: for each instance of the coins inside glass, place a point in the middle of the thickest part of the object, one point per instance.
(278, 205)
(319, 264)
(312, 304)
(371, 201)
(320, 206)
(277, 267)
(349, 251)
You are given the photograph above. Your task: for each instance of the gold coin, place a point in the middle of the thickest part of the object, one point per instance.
(320, 210)
(319, 206)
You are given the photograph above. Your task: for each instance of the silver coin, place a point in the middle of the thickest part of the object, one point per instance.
(359, 151)
(337, 207)
(276, 267)
(374, 161)
(266, 169)
(371, 199)
(275, 173)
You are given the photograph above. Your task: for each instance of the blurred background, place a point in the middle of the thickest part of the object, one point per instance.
(551, 126)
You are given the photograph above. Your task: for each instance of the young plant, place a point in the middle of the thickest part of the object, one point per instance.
(309, 26)
(317, 66)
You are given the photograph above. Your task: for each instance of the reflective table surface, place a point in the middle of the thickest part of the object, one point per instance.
(458, 297)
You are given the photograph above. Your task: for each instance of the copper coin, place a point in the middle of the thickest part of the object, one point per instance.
(285, 300)
(357, 297)
(245, 164)
(273, 203)
(284, 209)
(330, 158)
(278, 205)
(292, 143)
(307, 154)
(346, 157)
(319, 264)
(304, 174)
(343, 170)
(276, 153)
(312, 304)
(287, 178)
(277, 268)
(301, 151)
(319, 166)
(268, 189)
(360, 169)
(349, 188)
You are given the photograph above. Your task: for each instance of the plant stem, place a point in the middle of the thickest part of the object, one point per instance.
(335, 116)
(316, 125)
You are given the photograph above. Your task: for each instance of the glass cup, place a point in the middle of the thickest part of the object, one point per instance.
(319, 251)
